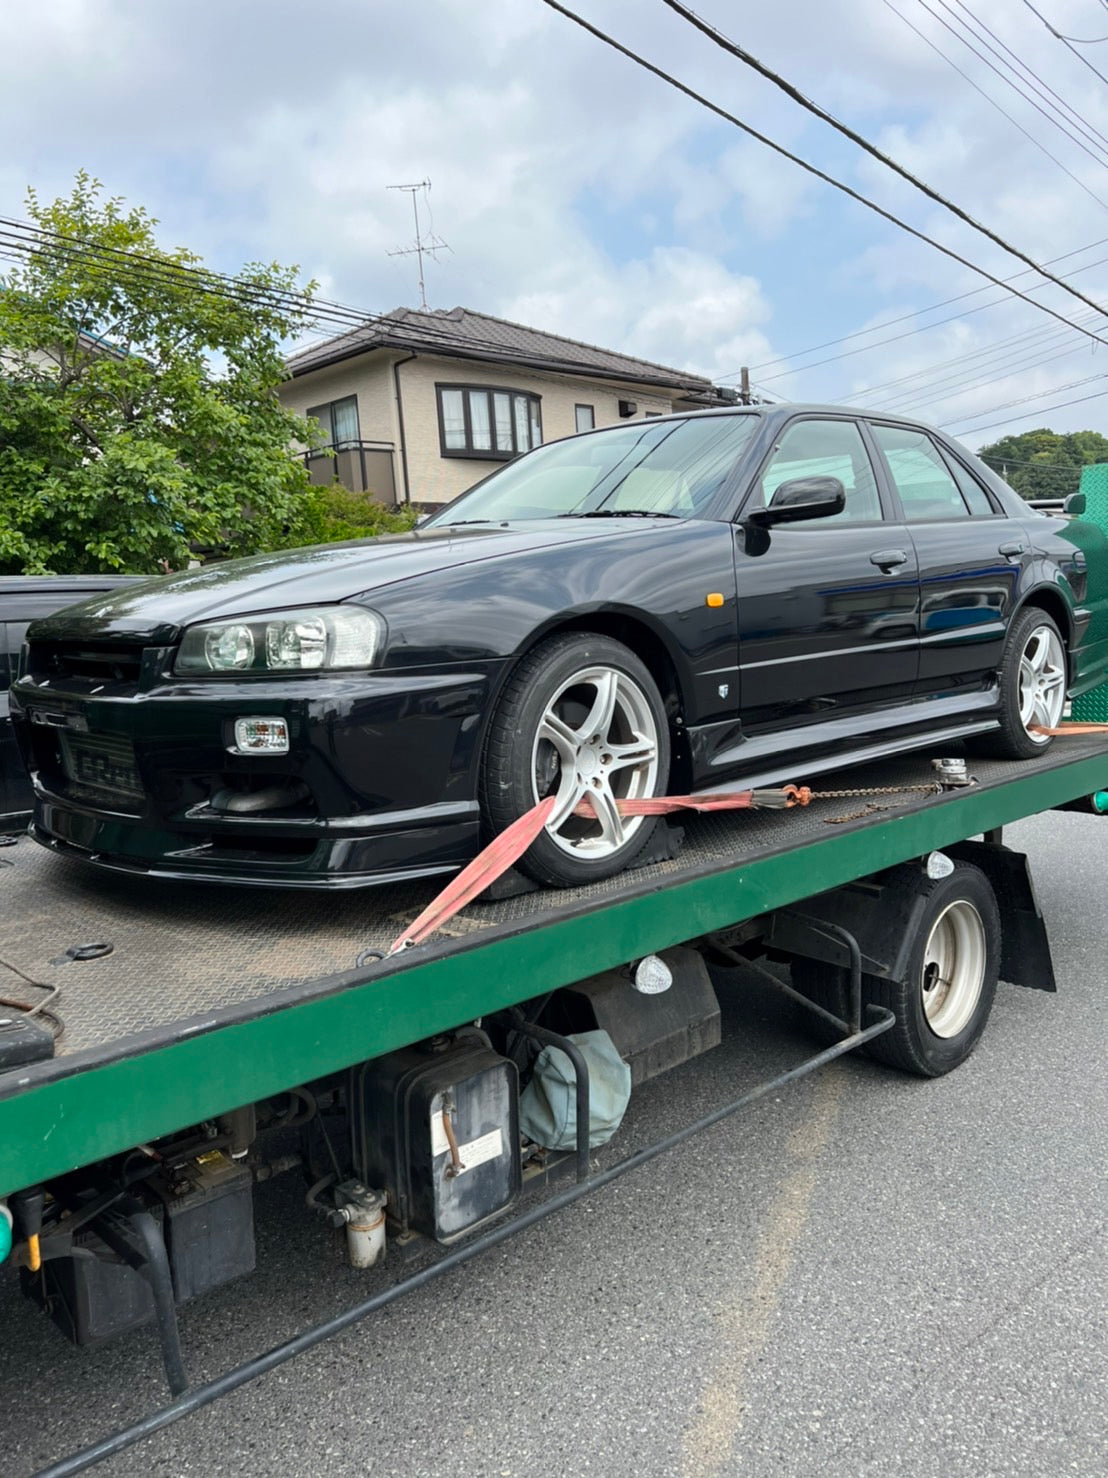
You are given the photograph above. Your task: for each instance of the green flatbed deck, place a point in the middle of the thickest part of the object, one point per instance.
(214, 997)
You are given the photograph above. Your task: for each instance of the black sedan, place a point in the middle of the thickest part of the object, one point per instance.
(22, 599)
(686, 603)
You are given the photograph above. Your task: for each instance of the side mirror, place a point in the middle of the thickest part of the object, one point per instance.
(800, 498)
(1074, 504)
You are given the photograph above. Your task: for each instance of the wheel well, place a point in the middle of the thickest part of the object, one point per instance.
(1052, 604)
(648, 647)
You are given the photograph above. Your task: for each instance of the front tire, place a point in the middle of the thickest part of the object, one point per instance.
(943, 1000)
(580, 718)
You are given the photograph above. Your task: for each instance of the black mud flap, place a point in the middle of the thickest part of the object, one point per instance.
(1025, 949)
(885, 939)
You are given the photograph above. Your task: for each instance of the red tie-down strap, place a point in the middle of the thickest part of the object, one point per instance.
(1064, 729)
(511, 844)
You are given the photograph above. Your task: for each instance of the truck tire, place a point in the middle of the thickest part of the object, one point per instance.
(943, 1000)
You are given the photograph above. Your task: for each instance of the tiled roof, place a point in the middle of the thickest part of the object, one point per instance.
(461, 333)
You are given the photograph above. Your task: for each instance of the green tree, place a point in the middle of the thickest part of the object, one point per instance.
(138, 413)
(1044, 463)
(335, 513)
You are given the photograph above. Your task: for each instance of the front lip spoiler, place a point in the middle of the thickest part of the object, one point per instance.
(201, 874)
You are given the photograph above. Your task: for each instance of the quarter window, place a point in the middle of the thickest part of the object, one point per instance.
(476, 421)
(339, 419)
(927, 489)
(824, 449)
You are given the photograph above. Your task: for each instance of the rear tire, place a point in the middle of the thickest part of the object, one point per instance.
(1033, 678)
(942, 1002)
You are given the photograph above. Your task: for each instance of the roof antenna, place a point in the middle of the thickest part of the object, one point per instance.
(424, 245)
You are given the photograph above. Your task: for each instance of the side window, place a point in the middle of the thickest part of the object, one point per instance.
(974, 494)
(824, 449)
(926, 487)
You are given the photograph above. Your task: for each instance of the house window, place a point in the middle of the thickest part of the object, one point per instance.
(339, 419)
(476, 421)
(585, 417)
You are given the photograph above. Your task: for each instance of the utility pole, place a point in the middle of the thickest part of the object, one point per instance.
(424, 245)
(744, 386)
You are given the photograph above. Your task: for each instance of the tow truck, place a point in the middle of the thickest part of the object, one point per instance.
(165, 1047)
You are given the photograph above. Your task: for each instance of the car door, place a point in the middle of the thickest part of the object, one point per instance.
(970, 558)
(827, 607)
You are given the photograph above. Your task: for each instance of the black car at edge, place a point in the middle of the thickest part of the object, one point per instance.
(23, 598)
(686, 603)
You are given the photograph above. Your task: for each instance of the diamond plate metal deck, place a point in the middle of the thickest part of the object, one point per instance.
(186, 951)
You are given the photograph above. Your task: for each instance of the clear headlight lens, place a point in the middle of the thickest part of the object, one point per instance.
(283, 641)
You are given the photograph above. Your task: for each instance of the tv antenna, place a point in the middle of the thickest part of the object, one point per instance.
(425, 245)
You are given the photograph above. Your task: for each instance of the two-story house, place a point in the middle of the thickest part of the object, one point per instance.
(420, 404)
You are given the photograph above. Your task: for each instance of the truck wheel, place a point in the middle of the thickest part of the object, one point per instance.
(581, 718)
(943, 1001)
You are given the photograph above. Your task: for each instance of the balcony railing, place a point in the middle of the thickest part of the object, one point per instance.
(361, 466)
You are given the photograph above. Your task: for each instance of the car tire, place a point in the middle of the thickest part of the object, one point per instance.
(943, 999)
(580, 715)
(1032, 680)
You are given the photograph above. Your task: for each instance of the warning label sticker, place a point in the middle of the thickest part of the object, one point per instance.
(476, 1152)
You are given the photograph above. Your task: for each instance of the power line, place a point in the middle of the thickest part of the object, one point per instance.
(1020, 462)
(944, 391)
(1028, 340)
(1078, 121)
(143, 269)
(916, 313)
(927, 41)
(811, 169)
(1042, 394)
(1042, 411)
(1066, 42)
(1064, 125)
(793, 92)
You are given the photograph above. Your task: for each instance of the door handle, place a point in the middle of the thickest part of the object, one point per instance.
(888, 559)
(1012, 548)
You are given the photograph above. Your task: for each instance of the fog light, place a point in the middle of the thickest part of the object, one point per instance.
(261, 736)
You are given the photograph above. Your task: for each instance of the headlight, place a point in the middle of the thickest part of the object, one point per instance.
(283, 641)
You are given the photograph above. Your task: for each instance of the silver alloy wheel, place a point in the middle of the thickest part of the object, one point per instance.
(597, 738)
(953, 973)
(1042, 681)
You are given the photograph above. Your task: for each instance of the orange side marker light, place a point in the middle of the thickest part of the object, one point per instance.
(713, 599)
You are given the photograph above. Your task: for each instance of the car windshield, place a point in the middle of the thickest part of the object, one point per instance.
(670, 469)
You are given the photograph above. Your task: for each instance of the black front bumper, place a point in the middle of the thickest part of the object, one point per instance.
(379, 784)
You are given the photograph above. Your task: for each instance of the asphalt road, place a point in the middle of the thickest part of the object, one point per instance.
(865, 1274)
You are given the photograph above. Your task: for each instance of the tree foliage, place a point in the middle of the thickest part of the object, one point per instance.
(334, 513)
(138, 413)
(1044, 463)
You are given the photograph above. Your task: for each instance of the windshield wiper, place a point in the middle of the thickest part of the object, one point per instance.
(620, 513)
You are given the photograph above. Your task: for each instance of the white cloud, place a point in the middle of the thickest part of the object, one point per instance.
(577, 193)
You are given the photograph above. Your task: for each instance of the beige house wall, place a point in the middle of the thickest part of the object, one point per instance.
(433, 478)
(368, 377)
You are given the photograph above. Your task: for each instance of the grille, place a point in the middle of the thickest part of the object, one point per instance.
(109, 663)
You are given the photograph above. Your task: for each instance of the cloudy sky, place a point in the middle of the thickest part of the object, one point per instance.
(580, 194)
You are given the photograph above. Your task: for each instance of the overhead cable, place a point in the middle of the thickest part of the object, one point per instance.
(1066, 41)
(793, 92)
(1044, 410)
(1079, 122)
(1062, 123)
(916, 313)
(811, 169)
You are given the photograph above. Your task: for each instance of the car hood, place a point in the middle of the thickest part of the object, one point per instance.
(158, 609)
